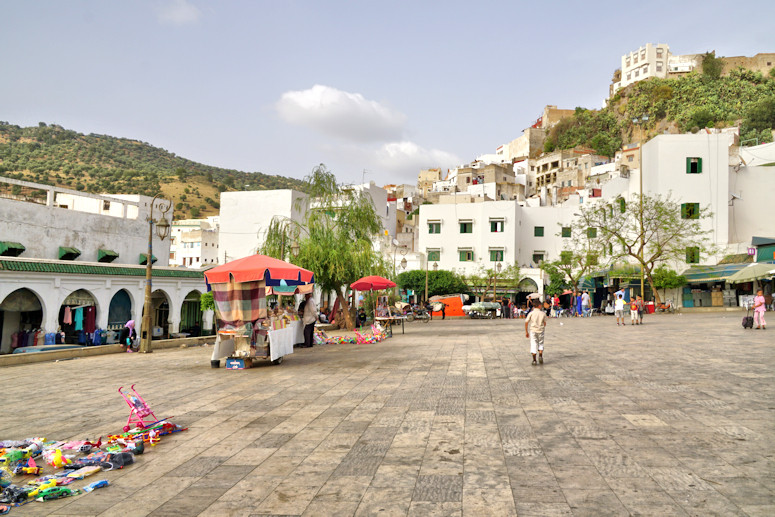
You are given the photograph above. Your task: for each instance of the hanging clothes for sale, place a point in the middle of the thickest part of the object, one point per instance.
(68, 319)
(78, 318)
(89, 322)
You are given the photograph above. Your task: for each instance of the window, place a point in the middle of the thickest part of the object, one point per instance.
(629, 75)
(466, 255)
(630, 158)
(635, 60)
(566, 231)
(496, 226)
(538, 231)
(105, 205)
(690, 210)
(637, 73)
(693, 165)
(467, 227)
(496, 255)
(434, 255)
(622, 205)
(434, 227)
(591, 233)
(659, 66)
(692, 255)
(538, 257)
(660, 51)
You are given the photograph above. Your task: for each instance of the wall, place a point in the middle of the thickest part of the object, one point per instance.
(761, 62)
(750, 215)
(245, 218)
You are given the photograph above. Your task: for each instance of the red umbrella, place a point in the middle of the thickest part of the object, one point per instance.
(255, 268)
(372, 283)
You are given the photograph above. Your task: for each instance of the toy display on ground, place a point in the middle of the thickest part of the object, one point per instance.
(75, 460)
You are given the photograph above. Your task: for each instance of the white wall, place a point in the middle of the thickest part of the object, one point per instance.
(245, 218)
(750, 215)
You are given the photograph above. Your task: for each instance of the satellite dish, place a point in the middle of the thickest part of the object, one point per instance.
(395, 242)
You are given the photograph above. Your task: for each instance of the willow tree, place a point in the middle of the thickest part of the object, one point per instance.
(334, 239)
(649, 230)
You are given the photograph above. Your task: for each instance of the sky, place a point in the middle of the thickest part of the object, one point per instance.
(376, 91)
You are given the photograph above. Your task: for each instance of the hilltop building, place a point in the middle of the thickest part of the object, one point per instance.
(194, 242)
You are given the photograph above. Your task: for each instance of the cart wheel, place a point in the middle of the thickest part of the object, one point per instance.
(409, 317)
(279, 360)
(126, 428)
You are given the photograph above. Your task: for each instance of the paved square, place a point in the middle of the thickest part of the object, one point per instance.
(676, 417)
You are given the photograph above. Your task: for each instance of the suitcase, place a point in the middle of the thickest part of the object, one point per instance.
(748, 320)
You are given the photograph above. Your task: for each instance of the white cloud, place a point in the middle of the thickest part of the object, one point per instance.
(178, 12)
(403, 157)
(342, 114)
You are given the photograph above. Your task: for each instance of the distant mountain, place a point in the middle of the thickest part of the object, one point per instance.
(53, 155)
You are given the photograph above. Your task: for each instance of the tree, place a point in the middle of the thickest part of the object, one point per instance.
(665, 279)
(578, 257)
(557, 282)
(334, 238)
(712, 66)
(652, 233)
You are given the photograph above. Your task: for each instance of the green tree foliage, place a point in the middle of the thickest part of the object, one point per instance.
(334, 238)
(439, 282)
(650, 234)
(712, 66)
(557, 282)
(599, 130)
(50, 154)
(579, 257)
(665, 279)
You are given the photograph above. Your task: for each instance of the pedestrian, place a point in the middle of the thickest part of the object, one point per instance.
(535, 324)
(619, 309)
(127, 336)
(309, 319)
(443, 310)
(759, 306)
(633, 311)
(578, 305)
(555, 306)
(641, 309)
(586, 304)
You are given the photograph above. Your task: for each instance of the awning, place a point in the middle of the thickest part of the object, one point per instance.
(68, 253)
(144, 259)
(104, 255)
(11, 249)
(719, 273)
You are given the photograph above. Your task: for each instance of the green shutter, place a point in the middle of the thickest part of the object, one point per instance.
(566, 231)
(591, 233)
(104, 255)
(66, 253)
(692, 255)
(539, 231)
(622, 204)
(434, 255)
(699, 165)
(688, 165)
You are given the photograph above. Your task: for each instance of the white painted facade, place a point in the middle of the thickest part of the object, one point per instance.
(647, 61)
(245, 218)
(194, 242)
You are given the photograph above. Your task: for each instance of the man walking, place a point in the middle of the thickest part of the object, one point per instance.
(619, 309)
(535, 324)
(586, 304)
(309, 319)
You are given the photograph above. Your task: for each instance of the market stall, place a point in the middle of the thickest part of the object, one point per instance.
(246, 328)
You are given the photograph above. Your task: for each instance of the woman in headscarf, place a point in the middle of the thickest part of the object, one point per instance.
(128, 336)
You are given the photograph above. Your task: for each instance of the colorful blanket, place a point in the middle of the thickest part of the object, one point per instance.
(237, 303)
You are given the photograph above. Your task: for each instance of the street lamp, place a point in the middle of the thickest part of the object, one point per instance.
(404, 251)
(162, 230)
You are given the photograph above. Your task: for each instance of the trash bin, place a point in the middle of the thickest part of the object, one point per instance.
(650, 307)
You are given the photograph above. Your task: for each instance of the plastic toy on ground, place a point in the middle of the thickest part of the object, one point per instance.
(84, 472)
(4, 509)
(56, 492)
(28, 467)
(97, 484)
(139, 409)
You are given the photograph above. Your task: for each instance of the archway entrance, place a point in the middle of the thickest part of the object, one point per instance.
(78, 317)
(526, 286)
(191, 314)
(120, 310)
(21, 318)
(160, 312)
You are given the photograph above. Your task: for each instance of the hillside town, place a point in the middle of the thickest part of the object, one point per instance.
(514, 206)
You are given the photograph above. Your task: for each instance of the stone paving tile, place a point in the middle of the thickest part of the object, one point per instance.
(448, 419)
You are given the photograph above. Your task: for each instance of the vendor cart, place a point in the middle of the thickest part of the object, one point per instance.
(246, 330)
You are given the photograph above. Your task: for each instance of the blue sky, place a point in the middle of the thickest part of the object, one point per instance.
(388, 87)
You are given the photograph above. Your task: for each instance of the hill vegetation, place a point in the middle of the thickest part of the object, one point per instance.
(101, 164)
(689, 103)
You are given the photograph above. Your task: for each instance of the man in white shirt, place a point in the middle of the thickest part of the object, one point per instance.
(586, 304)
(619, 309)
(309, 319)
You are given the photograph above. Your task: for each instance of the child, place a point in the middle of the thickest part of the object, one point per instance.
(633, 311)
(619, 309)
(535, 324)
(641, 308)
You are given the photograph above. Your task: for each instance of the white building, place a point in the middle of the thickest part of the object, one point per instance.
(194, 242)
(55, 245)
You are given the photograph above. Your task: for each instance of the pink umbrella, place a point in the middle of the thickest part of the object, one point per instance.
(372, 283)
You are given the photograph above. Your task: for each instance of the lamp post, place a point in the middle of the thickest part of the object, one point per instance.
(426, 277)
(404, 251)
(643, 119)
(162, 230)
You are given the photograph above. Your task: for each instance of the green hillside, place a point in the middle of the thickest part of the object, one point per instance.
(52, 155)
(689, 103)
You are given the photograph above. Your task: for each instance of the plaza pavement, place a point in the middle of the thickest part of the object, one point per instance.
(672, 418)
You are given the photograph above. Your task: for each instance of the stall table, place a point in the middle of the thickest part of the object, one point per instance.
(389, 321)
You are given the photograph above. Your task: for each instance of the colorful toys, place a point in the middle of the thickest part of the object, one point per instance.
(28, 467)
(84, 472)
(97, 484)
(56, 492)
(139, 409)
(55, 458)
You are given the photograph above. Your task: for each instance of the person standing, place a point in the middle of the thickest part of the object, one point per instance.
(619, 309)
(633, 311)
(759, 306)
(535, 325)
(586, 304)
(309, 319)
(641, 309)
(443, 310)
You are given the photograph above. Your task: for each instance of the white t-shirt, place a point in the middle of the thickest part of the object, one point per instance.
(619, 304)
(310, 312)
(585, 299)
